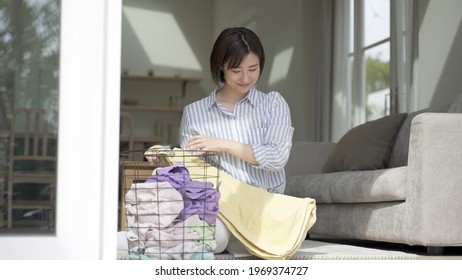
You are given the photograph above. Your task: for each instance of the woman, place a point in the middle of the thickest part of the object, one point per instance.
(252, 129)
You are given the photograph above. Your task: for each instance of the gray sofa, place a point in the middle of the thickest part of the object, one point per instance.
(412, 196)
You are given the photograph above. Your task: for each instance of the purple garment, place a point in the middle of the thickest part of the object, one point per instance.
(177, 175)
(200, 198)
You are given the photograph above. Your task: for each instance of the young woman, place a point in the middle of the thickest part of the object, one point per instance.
(252, 129)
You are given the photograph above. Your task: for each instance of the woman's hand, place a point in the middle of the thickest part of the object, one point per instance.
(207, 143)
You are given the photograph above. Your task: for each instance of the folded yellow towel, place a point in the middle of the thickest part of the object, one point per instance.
(271, 226)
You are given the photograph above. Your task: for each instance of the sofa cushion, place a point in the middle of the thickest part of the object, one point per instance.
(367, 146)
(456, 105)
(400, 150)
(350, 186)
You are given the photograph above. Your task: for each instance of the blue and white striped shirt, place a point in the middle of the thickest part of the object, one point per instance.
(261, 120)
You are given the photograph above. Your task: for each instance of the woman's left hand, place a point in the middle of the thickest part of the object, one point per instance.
(205, 143)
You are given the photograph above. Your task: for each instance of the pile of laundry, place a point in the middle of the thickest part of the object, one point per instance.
(170, 216)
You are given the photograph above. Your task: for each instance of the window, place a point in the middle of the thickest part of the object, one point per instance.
(29, 55)
(373, 53)
(377, 56)
(370, 59)
(88, 148)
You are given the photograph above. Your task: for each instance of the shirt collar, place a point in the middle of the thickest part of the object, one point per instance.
(212, 99)
(251, 96)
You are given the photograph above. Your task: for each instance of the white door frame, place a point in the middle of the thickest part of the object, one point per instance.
(88, 144)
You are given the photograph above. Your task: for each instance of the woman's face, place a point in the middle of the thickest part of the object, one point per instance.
(244, 77)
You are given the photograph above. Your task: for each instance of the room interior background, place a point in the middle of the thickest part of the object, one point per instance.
(165, 48)
(173, 38)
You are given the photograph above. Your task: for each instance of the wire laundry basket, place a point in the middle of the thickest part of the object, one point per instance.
(170, 203)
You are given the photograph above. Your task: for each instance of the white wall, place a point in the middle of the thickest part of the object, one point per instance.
(439, 66)
(232, 13)
(286, 64)
(173, 38)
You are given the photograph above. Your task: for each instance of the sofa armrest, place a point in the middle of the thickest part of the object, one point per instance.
(434, 187)
(308, 157)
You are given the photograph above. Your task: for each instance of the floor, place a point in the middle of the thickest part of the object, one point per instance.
(449, 253)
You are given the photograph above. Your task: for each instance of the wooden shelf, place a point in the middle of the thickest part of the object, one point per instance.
(146, 139)
(157, 78)
(183, 80)
(151, 108)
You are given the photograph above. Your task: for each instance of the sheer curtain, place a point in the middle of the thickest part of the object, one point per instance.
(403, 54)
(320, 97)
(341, 74)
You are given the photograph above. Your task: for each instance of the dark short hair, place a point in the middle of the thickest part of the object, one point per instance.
(232, 46)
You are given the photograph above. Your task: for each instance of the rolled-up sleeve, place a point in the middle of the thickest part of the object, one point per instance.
(273, 153)
(185, 131)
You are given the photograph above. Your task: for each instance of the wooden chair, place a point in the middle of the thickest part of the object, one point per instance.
(32, 163)
(126, 136)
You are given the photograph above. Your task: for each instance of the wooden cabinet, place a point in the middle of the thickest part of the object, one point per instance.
(157, 78)
(146, 107)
